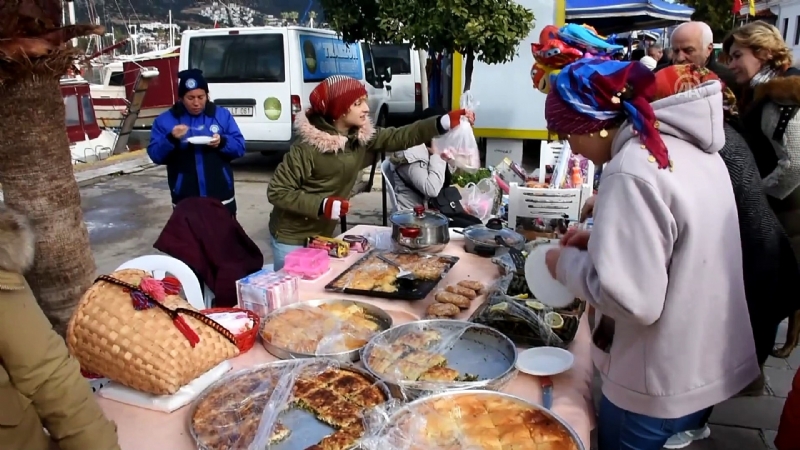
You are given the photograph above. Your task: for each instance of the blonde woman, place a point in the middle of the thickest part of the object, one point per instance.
(768, 105)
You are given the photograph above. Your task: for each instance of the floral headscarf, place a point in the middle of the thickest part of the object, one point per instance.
(593, 94)
(676, 79)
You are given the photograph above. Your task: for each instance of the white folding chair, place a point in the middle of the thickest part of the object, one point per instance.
(543, 203)
(387, 170)
(160, 265)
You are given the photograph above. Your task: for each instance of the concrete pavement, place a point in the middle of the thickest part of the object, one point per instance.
(126, 206)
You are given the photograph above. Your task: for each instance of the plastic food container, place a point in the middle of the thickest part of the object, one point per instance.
(307, 263)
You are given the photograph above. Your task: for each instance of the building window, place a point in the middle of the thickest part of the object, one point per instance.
(785, 27)
(797, 31)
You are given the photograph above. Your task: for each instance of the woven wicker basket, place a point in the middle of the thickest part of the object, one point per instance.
(143, 349)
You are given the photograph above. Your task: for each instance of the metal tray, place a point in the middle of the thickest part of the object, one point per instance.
(381, 317)
(480, 350)
(406, 289)
(306, 429)
(413, 409)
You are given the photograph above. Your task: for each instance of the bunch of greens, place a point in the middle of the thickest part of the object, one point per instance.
(462, 178)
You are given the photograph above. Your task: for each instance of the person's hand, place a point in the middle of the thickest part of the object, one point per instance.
(454, 117)
(575, 238)
(335, 207)
(588, 209)
(179, 131)
(551, 260)
(214, 140)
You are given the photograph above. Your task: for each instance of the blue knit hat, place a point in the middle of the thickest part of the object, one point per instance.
(189, 80)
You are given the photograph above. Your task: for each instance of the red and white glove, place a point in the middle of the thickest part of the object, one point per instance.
(453, 118)
(335, 207)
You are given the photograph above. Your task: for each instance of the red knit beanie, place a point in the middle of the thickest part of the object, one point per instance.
(334, 96)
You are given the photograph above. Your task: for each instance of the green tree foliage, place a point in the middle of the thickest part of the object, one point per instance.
(716, 13)
(487, 30)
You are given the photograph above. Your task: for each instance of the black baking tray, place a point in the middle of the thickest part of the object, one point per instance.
(406, 289)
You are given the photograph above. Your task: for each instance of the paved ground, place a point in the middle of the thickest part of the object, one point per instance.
(126, 213)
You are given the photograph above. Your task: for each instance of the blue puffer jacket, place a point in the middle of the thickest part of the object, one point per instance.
(197, 170)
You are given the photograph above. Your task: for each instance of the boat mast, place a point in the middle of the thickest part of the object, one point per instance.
(71, 9)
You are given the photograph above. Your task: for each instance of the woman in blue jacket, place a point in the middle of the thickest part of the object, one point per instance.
(194, 169)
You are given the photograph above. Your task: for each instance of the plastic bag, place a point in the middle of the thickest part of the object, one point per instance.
(511, 309)
(437, 355)
(287, 404)
(466, 420)
(459, 144)
(482, 199)
(338, 327)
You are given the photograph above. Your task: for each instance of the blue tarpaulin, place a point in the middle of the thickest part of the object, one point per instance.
(609, 16)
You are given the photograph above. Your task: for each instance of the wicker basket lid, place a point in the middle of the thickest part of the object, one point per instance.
(118, 331)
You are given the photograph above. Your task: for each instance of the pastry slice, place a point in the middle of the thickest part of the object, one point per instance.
(279, 434)
(340, 440)
(439, 373)
(304, 386)
(328, 377)
(420, 339)
(318, 402)
(407, 370)
(342, 414)
(424, 358)
(363, 321)
(369, 397)
(349, 384)
(382, 357)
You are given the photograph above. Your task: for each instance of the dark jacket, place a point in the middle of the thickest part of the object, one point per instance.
(202, 234)
(322, 163)
(197, 170)
(770, 268)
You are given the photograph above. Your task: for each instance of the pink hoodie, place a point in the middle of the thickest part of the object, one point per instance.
(664, 262)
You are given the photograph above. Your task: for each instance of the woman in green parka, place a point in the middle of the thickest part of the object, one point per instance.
(309, 189)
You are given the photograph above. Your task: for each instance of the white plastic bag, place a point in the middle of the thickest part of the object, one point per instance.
(459, 144)
(480, 198)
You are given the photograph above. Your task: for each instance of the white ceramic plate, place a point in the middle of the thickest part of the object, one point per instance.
(199, 140)
(545, 361)
(543, 286)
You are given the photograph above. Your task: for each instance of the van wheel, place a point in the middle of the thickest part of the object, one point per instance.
(381, 121)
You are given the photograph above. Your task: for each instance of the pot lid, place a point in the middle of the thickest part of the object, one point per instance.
(486, 236)
(419, 217)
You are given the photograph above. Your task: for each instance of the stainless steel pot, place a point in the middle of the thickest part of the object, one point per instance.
(420, 230)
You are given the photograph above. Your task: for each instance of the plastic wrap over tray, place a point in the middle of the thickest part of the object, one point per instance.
(373, 276)
(287, 405)
(439, 355)
(330, 327)
(511, 308)
(467, 420)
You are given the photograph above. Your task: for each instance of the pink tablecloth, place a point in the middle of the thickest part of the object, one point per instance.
(142, 429)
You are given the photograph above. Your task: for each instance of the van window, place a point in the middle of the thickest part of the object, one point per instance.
(241, 58)
(324, 56)
(395, 56)
(116, 79)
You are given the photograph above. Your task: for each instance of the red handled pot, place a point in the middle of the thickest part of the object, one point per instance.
(420, 230)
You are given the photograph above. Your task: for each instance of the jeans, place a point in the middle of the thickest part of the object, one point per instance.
(624, 430)
(279, 252)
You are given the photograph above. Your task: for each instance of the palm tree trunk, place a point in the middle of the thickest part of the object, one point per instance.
(37, 180)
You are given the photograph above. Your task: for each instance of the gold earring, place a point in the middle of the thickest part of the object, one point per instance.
(591, 134)
(603, 133)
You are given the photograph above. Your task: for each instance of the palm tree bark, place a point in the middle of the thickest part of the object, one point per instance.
(37, 180)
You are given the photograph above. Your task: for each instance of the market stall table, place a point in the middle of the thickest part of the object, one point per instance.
(142, 429)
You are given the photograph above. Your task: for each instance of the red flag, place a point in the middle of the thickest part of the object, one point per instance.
(737, 6)
(216, 25)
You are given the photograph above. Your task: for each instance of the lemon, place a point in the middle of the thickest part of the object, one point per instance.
(522, 296)
(533, 304)
(499, 307)
(554, 320)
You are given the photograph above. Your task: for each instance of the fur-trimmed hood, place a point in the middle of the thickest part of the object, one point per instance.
(783, 90)
(314, 130)
(17, 241)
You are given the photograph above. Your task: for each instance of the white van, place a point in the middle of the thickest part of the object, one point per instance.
(264, 75)
(405, 101)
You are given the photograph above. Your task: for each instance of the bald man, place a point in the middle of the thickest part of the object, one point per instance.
(693, 43)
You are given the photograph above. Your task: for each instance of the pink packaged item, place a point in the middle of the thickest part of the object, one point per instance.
(307, 263)
(265, 291)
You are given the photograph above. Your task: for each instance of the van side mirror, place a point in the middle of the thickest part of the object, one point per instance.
(386, 76)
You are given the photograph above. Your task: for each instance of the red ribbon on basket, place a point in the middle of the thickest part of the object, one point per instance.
(151, 293)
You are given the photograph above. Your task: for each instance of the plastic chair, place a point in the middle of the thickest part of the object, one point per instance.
(544, 203)
(160, 265)
(387, 170)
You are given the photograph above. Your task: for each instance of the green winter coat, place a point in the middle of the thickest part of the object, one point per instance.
(322, 163)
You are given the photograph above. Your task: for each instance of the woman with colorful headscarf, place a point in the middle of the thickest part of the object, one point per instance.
(663, 263)
(769, 266)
